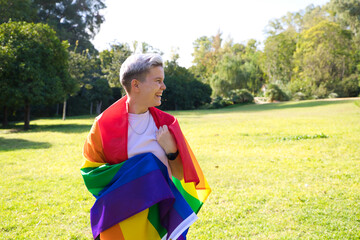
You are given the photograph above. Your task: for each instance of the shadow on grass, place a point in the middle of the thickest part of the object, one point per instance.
(64, 128)
(272, 106)
(11, 144)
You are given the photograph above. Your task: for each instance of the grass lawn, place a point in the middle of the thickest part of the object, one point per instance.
(277, 171)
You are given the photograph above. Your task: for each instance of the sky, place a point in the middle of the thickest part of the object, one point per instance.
(170, 25)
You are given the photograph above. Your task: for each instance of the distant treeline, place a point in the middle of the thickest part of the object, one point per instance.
(312, 53)
(49, 67)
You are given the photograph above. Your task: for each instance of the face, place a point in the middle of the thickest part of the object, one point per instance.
(152, 88)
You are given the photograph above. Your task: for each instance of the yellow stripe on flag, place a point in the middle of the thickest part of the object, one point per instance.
(138, 227)
(88, 164)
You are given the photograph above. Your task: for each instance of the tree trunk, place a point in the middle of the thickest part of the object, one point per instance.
(27, 116)
(64, 110)
(98, 108)
(91, 108)
(5, 119)
(343, 69)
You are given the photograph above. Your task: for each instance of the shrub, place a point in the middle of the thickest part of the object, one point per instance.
(241, 96)
(220, 102)
(333, 95)
(320, 91)
(299, 96)
(274, 93)
(349, 86)
(315, 97)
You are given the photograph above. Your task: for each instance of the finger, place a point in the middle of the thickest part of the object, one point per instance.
(165, 127)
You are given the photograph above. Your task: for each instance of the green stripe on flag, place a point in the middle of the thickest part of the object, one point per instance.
(194, 203)
(97, 178)
(154, 219)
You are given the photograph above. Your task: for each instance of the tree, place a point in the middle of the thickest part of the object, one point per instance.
(183, 90)
(347, 14)
(207, 53)
(280, 46)
(312, 16)
(77, 67)
(290, 22)
(7, 100)
(73, 20)
(100, 93)
(229, 75)
(297, 21)
(254, 73)
(88, 72)
(238, 68)
(278, 54)
(322, 59)
(202, 51)
(35, 66)
(17, 10)
(111, 61)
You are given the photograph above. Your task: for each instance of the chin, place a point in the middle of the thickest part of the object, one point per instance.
(157, 103)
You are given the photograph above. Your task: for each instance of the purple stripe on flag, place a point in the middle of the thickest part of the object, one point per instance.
(129, 199)
(171, 220)
(173, 217)
(141, 182)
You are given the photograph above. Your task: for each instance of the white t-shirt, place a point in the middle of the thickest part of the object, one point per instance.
(142, 137)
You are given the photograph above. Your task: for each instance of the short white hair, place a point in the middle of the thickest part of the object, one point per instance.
(137, 66)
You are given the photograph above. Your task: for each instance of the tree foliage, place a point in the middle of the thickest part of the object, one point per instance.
(275, 93)
(227, 66)
(347, 14)
(73, 21)
(237, 68)
(111, 61)
(241, 96)
(278, 54)
(315, 51)
(88, 72)
(322, 58)
(17, 10)
(183, 90)
(35, 66)
(207, 52)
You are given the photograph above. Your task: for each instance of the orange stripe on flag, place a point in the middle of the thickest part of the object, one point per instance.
(112, 233)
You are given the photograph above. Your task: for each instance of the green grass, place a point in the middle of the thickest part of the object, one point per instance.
(277, 171)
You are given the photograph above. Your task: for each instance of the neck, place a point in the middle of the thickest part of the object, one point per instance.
(135, 107)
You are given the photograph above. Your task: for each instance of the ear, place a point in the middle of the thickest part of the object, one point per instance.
(135, 85)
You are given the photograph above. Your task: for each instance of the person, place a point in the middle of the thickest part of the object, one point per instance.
(138, 164)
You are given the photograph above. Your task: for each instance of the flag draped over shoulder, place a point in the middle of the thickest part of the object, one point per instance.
(135, 198)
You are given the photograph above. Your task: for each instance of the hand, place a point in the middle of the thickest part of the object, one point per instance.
(166, 140)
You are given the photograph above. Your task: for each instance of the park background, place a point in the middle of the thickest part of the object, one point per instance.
(281, 170)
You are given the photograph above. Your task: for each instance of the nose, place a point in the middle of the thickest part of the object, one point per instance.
(163, 86)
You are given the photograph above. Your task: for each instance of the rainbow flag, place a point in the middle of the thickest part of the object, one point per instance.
(135, 198)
